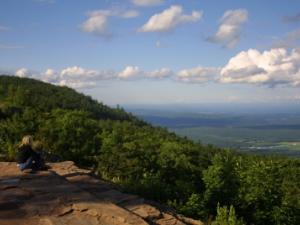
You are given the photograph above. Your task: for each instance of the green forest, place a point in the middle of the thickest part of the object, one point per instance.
(218, 186)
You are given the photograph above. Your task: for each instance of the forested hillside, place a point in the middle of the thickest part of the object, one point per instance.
(199, 181)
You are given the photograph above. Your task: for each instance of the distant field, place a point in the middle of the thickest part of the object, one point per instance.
(263, 134)
(264, 141)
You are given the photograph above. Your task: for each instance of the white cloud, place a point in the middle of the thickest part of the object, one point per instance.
(198, 74)
(130, 72)
(77, 84)
(229, 32)
(23, 72)
(169, 19)
(50, 76)
(78, 77)
(273, 67)
(75, 77)
(98, 21)
(76, 71)
(134, 72)
(145, 3)
(161, 73)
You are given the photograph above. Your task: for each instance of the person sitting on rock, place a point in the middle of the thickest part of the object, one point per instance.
(27, 158)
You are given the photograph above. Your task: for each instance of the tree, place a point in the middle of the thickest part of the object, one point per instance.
(221, 181)
(227, 217)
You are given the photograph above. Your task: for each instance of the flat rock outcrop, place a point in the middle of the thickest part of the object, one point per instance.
(68, 195)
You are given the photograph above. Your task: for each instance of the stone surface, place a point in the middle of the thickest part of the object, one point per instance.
(68, 195)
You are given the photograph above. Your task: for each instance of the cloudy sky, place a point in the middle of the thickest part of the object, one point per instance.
(157, 51)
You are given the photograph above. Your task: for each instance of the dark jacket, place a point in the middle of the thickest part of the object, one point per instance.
(24, 153)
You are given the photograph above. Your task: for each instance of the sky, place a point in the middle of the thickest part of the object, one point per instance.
(157, 51)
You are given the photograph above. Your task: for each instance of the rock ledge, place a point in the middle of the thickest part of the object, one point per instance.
(68, 195)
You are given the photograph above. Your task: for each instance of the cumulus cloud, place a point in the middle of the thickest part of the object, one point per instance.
(146, 3)
(273, 67)
(97, 23)
(75, 77)
(50, 76)
(23, 72)
(78, 84)
(130, 72)
(198, 74)
(134, 72)
(229, 32)
(161, 73)
(78, 77)
(98, 20)
(76, 71)
(169, 19)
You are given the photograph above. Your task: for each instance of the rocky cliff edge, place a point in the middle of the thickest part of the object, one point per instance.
(68, 195)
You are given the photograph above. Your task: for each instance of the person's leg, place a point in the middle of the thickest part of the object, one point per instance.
(26, 165)
(39, 163)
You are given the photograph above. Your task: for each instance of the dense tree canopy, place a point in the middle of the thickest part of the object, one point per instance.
(199, 181)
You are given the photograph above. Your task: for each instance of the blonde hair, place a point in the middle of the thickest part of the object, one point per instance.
(27, 140)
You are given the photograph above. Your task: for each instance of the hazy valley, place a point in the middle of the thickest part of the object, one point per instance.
(258, 129)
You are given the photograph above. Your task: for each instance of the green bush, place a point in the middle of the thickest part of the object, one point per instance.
(227, 216)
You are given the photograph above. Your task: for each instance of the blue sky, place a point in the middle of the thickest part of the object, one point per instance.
(157, 51)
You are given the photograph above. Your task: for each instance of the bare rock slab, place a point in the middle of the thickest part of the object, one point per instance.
(68, 195)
